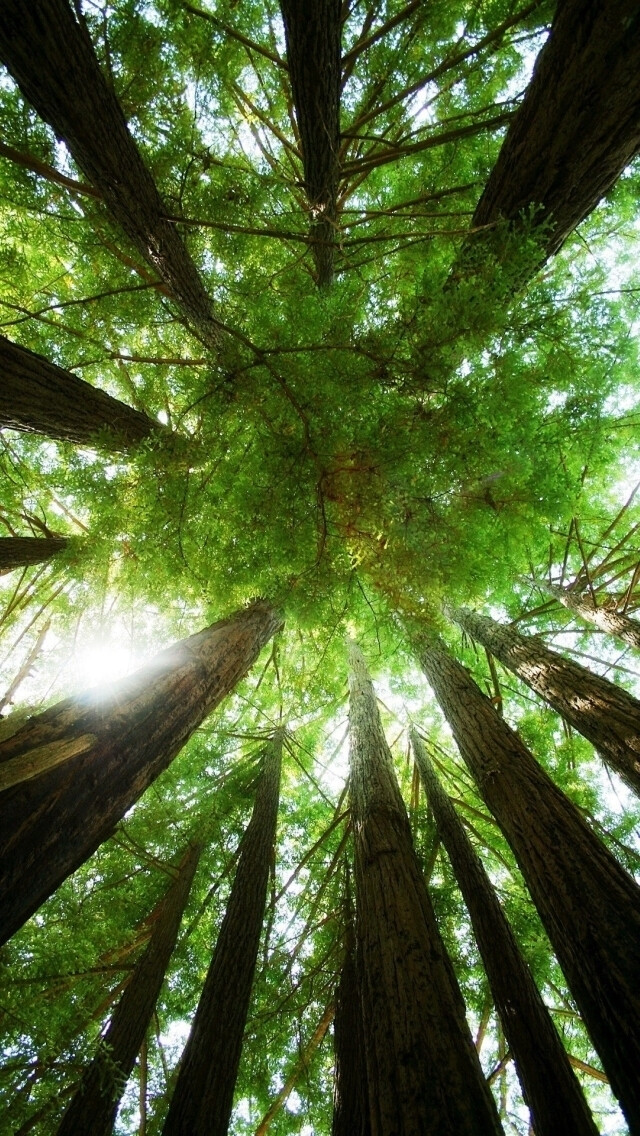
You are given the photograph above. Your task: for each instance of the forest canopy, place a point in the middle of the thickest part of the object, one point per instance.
(325, 314)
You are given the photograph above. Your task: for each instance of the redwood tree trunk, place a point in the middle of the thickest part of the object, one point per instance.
(549, 1085)
(313, 31)
(47, 48)
(423, 1073)
(39, 397)
(203, 1098)
(21, 551)
(72, 772)
(93, 1109)
(607, 619)
(350, 1103)
(588, 904)
(603, 713)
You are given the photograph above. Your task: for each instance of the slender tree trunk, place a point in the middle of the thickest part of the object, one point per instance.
(75, 769)
(313, 31)
(423, 1072)
(605, 714)
(41, 398)
(588, 904)
(607, 619)
(46, 47)
(578, 126)
(350, 1103)
(203, 1097)
(549, 1085)
(21, 551)
(93, 1109)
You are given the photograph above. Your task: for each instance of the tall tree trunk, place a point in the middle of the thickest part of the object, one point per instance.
(75, 769)
(549, 1084)
(350, 1103)
(588, 904)
(578, 126)
(313, 31)
(203, 1097)
(423, 1072)
(607, 619)
(46, 47)
(21, 551)
(605, 714)
(93, 1109)
(39, 397)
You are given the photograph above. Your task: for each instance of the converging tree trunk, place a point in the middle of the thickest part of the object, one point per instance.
(46, 47)
(588, 904)
(93, 1109)
(41, 398)
(312, 32)
(423, 1073)
(350, 1099)
(605, 714)
(203, 1097)
(605, 618)
(549, 1084)
(21, 551)
(70, 774)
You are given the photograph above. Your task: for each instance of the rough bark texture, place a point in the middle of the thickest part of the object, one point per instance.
(350, 1103)
(603, 713)
(578, 126)
(312, 33)
(115, 741)
(606, 618)
(93, 1109)
(548, 1082)
(203, 1098)
(588, 904)
(47, 49)
(20, 551)
(41, 398)
(423, 1073)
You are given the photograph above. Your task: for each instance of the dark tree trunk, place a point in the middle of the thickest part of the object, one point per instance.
(41, 398)
(548, 1082)
(588, 904)
(607, 619)
(93, 1109)
(578, 126)
(70, 774)
(21, 551)
(350, 1103)
(313, 32)
(203, 1097)
(423, 1073)
(47, 49)
(603, 713)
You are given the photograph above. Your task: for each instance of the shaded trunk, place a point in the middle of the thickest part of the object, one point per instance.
(92, 1111)
(577, 128)
(423, 1072)
(607, 619)
(38, 397)
(21, 551)
(47, 49)
(71, 773)
(605, 714)
(549, 1085)
(350, 1104)
(588, 904)
(313, 32)
(203, 1097)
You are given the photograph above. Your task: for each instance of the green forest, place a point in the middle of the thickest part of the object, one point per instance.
(319, 567)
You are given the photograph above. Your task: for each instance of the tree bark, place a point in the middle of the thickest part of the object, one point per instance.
(47, 49)
(423, 1072)
(605, 714)
(38, 397)
(588, 904)
(203, 1097)
(78, 767)
(549, 1085)
(350, 1104)
(578, 126)
(313, 32)
(93, 1109)
(21, 551)
(606, 618)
